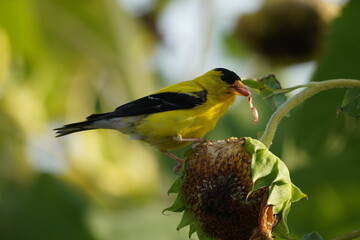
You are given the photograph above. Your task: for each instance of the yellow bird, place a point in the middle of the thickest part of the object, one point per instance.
(174, 116)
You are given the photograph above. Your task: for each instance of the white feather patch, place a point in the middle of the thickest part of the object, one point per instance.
(123, 124)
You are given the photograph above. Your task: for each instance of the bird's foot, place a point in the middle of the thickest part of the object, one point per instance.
(195, 145)
(177, 167)
(179, 160)
(180, 139)
(197, 141)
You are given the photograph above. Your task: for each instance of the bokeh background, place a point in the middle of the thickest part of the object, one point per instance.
(61, 60)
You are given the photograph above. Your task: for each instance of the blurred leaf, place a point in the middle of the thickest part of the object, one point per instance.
(18, 18)
(351, 103)
(4, 56)
(269, 88)
(47, 209)
(233, 46)
(312, 236)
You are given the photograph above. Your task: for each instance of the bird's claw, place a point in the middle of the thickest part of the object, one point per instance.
(179, 160)
(195, 145)
(181, 139)
(177, 167)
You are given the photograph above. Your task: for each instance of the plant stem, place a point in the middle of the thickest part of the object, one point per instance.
(312, 89)
(348, 236)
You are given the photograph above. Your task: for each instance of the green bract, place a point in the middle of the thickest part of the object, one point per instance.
(269, 171)
(241, 173)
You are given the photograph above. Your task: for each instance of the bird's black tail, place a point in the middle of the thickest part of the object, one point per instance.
(91, 122)
(74, 127)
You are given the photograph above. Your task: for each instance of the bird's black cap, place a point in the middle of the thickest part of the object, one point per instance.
(228, 76)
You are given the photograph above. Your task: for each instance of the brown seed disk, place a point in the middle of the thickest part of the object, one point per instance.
(216, 182)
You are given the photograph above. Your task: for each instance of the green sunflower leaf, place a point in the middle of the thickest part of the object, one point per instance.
(192, 229)
(351, 103)
(254, 84)
(267, 170)
(177, 206)
(175, 187)
(281, 229)
(279, 193)
(186, 219)
(296, 194)
(269, 88)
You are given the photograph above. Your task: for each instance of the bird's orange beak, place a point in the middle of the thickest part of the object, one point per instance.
(239, 88)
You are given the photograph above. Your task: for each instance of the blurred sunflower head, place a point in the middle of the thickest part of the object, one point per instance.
(287, 31)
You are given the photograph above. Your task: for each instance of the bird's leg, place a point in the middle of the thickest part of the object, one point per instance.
(180, 139)
(197, 141)
(179, 160)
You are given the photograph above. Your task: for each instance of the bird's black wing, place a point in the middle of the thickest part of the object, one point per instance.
(159, 102)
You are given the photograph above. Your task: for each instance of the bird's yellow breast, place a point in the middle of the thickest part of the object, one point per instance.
(159, 129)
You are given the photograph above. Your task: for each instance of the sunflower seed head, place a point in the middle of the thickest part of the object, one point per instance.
(234, 189)
(216, 183)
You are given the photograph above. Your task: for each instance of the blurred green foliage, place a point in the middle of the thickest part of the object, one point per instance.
(326, 146)
(61, 60)
(47, 209)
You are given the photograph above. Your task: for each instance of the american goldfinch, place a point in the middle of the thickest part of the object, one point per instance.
(174, 116)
